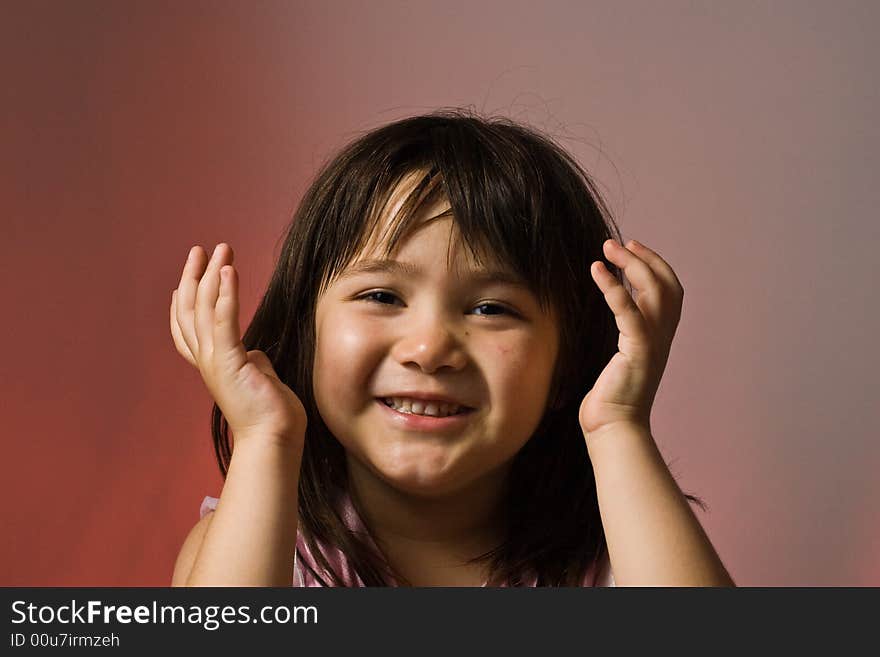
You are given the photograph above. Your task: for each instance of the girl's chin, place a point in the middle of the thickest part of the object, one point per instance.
(421, 482)
(418, 479)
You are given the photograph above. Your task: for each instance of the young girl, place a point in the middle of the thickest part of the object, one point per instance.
(444, 384)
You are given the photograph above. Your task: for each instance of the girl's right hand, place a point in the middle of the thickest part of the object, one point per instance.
(205, 328)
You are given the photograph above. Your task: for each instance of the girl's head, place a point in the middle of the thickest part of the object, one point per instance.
(494, 228)
(436, 326)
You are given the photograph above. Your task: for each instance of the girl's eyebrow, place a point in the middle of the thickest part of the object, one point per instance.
(385, 266)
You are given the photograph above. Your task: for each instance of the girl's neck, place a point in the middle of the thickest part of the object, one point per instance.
(440, 530)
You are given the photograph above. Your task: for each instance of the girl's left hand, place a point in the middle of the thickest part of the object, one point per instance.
(624, 392)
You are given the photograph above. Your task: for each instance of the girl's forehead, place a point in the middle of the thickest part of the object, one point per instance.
(447, 239)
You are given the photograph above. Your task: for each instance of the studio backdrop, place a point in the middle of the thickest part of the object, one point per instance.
(740, 140)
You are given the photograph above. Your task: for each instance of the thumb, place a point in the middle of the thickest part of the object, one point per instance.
(262, 362)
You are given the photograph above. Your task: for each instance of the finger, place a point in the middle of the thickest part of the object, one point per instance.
(186, 298)
(179, 342)
(227, 331)
(206, 299)
(644, 280)
(628, 317)
(670, 293)
(657, 264)
(636, 269)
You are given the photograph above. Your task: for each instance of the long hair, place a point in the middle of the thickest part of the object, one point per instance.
(514, 194)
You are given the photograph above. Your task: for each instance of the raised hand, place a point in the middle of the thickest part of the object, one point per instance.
(625, 390)
(205, 329)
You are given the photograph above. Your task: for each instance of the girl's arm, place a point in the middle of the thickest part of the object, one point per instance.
(251, 537)
(654, 538)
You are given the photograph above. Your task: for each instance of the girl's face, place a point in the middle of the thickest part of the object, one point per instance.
(438, 331)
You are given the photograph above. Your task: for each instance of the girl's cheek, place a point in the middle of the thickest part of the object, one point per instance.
(503, 350)
(511, 352)
(347, 353)
(358, 340)
(523, 366)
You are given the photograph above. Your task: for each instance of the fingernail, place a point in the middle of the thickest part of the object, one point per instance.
(215, 250)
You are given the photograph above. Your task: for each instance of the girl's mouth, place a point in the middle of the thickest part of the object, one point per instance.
(414, 422)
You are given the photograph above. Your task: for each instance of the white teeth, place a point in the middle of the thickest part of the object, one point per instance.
(419, 407)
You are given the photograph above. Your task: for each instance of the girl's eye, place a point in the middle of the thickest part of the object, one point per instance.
(369, 296)
(494, 305)
(373, 297)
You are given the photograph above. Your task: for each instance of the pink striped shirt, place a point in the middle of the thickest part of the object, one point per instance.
(595, 576)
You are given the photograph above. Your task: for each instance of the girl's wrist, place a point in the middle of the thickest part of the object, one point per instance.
(610, 438)
(284, 445)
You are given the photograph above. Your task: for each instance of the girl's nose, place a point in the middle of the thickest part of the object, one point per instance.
(431, 347)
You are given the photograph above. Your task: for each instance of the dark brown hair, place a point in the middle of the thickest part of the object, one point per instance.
(514, 193)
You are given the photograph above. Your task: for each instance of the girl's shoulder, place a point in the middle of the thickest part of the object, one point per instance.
(191, 544)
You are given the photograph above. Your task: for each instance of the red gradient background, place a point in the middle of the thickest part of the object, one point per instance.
(740, 140)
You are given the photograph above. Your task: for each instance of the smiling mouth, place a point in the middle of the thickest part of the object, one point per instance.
(462, 410)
